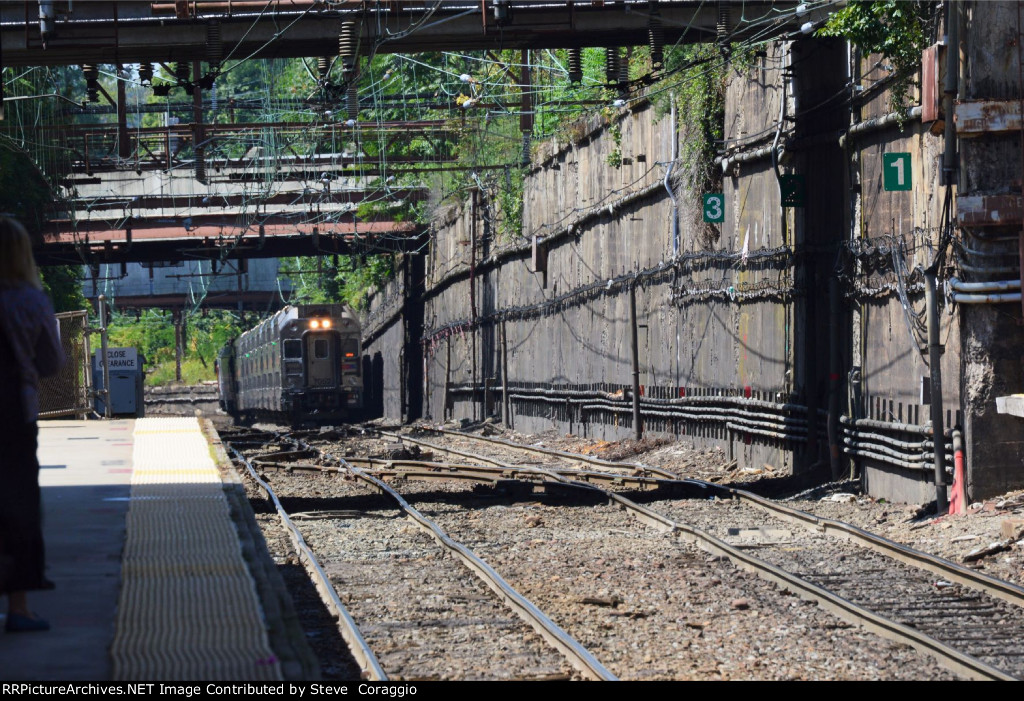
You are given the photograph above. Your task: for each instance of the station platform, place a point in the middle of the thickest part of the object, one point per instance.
(160, 569)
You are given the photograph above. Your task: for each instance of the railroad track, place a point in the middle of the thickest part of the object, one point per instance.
(646, 607)
(972, 623)
(411, 602)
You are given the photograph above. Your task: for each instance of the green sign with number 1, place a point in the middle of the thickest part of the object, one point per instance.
(714, 207)
(896, 173)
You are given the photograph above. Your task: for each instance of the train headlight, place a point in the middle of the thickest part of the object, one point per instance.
(314, 324)
(326, 323)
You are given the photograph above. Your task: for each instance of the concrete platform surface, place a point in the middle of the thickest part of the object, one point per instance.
(151, 580)
(85, 477)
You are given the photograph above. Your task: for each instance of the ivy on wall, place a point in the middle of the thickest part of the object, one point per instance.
(897, 29)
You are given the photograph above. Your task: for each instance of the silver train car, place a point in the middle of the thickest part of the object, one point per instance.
(301, 365)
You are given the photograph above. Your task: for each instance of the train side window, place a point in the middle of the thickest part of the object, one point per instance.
(292, 348)
(321, 349)
(349, 348)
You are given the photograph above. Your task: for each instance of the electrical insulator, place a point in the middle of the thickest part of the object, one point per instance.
(201, 164)
(502, 12)
(724, 12)
(181, 71)
(47, 20)
(656, 36)
(92, 86)
(348, 46)
(352, 100)
(575, 66)
(624, 69)
(323, 67)
(214, 45)
(611, 65)
(146, 73)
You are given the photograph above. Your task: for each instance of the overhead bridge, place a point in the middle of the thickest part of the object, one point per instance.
(134, 31)
(220, 239)
(121, 212)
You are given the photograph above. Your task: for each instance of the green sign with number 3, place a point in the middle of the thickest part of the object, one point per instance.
(714, 207)
(896, 173)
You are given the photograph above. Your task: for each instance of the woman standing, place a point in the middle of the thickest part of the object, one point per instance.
(29, 349)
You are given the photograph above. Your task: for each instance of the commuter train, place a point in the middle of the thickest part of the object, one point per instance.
(302, 365)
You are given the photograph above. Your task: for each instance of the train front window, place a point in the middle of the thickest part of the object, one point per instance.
(321, 349)
(292, 349)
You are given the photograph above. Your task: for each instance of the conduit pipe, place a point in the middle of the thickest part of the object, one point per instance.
(886, 426)
(935, 370)
(988, 270)
(959, 473)
(920, 459)
(885, 459)
(958, 285)
(961, 298)
(668, 174)
(530, 393)
(993, 292)
(756, 155)
(885, 120)
(922, 445)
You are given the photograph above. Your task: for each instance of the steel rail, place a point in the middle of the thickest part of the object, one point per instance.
(1001, 589)
(575, 457)
(578, 656)
(425, 470)
(368, 663)
(848, 610)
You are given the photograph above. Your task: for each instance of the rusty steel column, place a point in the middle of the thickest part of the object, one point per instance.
(198, 130)
(638, 430)
(934, 362)
(834, 366)
(104, 361)
(472, 298)
(506, 413)
(179, 342)
(447, 379)
(526, 116)
(123, 147)
(1020, 91)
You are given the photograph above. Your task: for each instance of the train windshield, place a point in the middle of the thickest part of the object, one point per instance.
(292, 349)
(321, 349)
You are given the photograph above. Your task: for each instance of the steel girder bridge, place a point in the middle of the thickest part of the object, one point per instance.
(224, 219)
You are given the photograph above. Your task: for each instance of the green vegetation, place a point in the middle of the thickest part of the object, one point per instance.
(897, 29)
(152, 333)
(615, 155)
(25, 194)
(510, 202)
(317, 280)
(697, 77)
(192, 373)
(63, 283)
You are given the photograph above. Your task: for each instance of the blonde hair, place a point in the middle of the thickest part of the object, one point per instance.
(17, 266)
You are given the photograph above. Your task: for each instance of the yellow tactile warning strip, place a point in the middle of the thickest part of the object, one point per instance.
(188, 609)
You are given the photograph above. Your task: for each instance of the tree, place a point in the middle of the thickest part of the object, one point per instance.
(897, 29)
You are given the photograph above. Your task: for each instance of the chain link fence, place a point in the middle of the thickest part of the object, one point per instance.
(68, 392)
